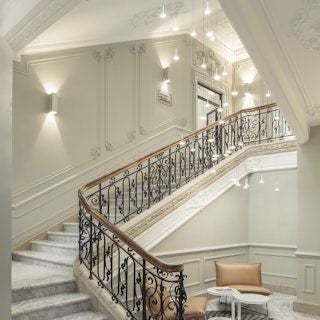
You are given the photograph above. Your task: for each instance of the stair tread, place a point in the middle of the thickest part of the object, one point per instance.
(63, 233)
(27, 306)
(89, 315)
(55, 244)
(48, 257)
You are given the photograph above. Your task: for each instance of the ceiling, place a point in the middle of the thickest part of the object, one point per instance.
(283, 40)
(107, 21)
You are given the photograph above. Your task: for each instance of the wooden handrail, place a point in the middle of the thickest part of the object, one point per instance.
(127, 240)
(119, 233)
(153, 154)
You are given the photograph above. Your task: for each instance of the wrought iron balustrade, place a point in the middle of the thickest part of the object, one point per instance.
(133, 277)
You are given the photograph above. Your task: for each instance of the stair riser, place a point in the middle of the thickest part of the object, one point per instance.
(38, 292)
(43, 263)
(54, 311)
(71, 228)
(63, 238)
(54, 250)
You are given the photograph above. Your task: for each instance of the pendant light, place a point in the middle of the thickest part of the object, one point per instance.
(224, 72)
(268, 94)
(163, 14)
(246, 184)
(176, 56)
(216, 75)
(234, 92)
(261, 179)
(207, 11)
(210, 34)
(193, 32)
(175, 27)
(203, 65)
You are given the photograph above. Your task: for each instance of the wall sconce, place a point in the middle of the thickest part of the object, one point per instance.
(165, 75)
(53, 105)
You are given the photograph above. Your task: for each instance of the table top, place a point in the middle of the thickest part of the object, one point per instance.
(251, 298)
(222, 291)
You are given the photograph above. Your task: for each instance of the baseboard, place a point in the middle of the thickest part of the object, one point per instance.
(281, 288)
(306, 307)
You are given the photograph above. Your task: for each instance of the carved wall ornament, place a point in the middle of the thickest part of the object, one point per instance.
(108, 146)
(133, 50)
(97, 55)
(108, 54)
(142, 130)
(305, 26)
(142, 49)
(314, 112)
(151, 16)
(212, 60)
(95, 152)
(131, 135)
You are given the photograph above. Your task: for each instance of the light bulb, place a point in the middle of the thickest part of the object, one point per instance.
(225, 104)
(276, 189)
(261, 180)
(193, 32)
(217, 76)
(207, 105)
(234, 92)
(207, 11)
(224, 72)
(204, 65)
(268, 94)
(246, 184)
(209, 34)
(163, 15)
(175, 26)
(176, 57)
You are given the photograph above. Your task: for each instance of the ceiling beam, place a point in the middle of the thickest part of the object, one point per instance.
(252, 24)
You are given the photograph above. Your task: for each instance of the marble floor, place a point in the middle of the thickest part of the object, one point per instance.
(280, 308)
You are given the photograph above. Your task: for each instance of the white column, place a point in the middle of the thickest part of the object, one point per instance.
(5, 181)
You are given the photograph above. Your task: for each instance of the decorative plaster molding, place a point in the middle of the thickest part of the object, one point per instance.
(151, 16)
(305, 25)
(133, 50)
(108, 54)
(108, 146)
(142, 49)
(190, 199)
(142, 130)
(97, 55)
(309, 255)
(95, 152)
(37, 21)
(314, 112)
(131, 135)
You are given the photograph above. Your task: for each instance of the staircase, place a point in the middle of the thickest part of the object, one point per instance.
(43, 286)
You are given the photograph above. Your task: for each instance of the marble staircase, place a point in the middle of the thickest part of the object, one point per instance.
(43, 286)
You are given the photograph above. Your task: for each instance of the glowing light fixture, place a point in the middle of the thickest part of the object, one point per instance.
(207, 11)
(203, 65)
(207, 105)
(225, 104)
(216, 76)
(193, 32)
(246, 184)
(224, 72)
(163, 14)
(261, 179)
(175, 25)
(220, 109)
(176, 56)
(209, 34)
(165, 76)
(53, 105)
(234, 92)
(268, 94)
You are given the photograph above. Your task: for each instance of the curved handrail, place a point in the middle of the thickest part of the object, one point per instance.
(153, 154)
(113, 228)
(127, 240)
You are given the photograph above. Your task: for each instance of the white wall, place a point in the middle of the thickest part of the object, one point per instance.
(254, 225)
(6, 176)
(108, 115)
(309, 219)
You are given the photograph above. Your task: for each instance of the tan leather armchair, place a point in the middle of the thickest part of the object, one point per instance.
(246, 278)
(194, 307)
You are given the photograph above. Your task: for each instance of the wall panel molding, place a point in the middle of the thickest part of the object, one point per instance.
(309, 270)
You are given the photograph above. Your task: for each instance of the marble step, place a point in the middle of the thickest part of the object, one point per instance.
(60, 262)
(72, 227)
(53, 285)
(51, 307)
(69, 249)
(84, 316)
(62, 236)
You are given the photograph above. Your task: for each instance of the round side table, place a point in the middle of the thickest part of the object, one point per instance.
(225, 292)
(250, 298)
